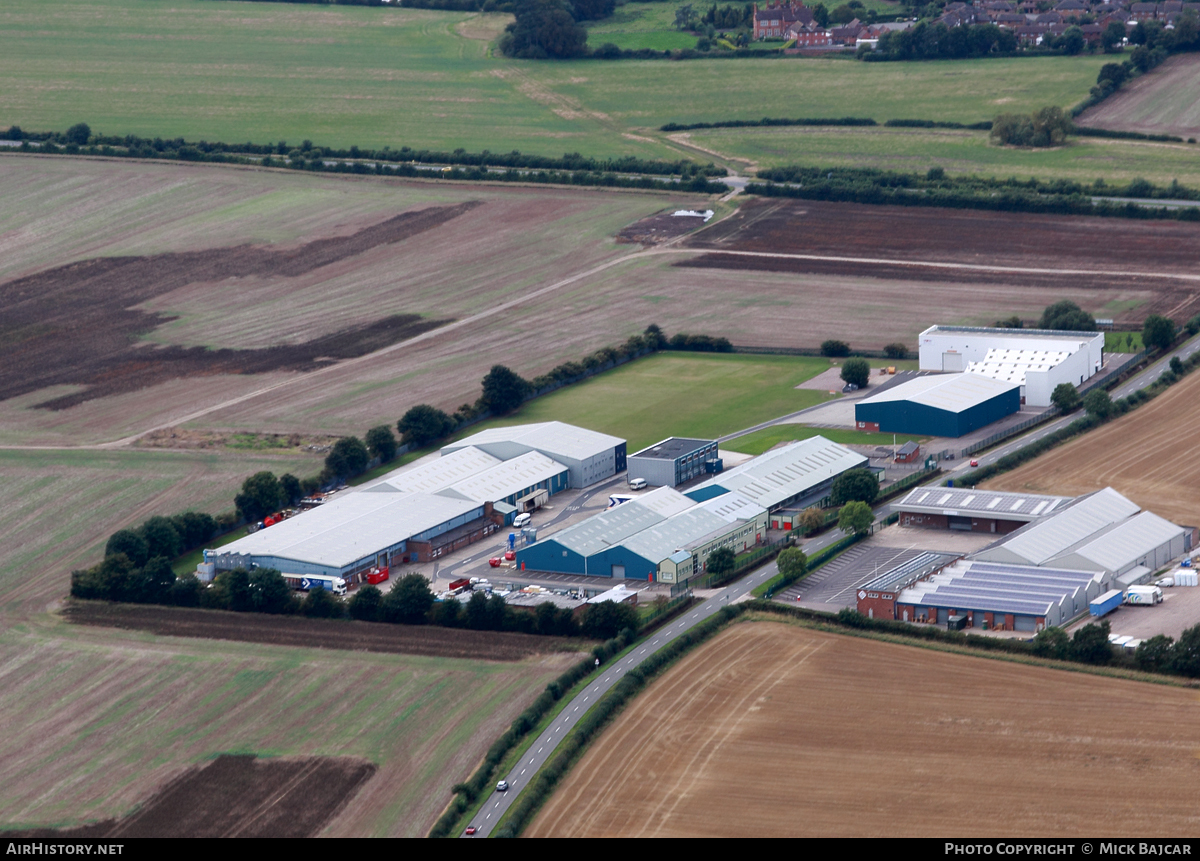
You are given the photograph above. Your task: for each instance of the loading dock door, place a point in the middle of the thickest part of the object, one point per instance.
(952, 361)
(618, 570)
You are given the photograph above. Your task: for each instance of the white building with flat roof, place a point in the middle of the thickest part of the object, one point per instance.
(1036, 359)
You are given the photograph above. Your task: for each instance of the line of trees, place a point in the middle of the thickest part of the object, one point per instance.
(84, 139)
(928, 41)
(409, 602)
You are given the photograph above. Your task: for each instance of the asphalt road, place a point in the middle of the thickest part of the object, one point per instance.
(544, 747)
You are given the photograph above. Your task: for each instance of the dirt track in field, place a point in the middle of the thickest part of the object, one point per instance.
(1149, 455)
(321, 633)
(780, 730)
(239, 796)
(1144, 253)
(78, 324)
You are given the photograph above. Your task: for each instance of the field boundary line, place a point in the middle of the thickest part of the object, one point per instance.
(976, 267)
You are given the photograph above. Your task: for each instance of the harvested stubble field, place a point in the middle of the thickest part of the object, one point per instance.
(778, 729)
(1149, 455)
(290, 264)
(317, 633)
(1161, 103)
(59, 507)
(238, 795)
(97, 720)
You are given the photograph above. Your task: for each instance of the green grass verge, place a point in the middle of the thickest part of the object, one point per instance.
(767, 438)
(1123, 342)
(342, 75)
(704, 395)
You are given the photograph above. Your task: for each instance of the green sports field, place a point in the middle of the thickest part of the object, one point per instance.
(767, 438)
(680, 394)
(374, 76)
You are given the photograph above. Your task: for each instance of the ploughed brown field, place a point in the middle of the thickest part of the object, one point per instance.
(313, 633)
(1149, 455)
(239, 796)
(1100, 254)
(1162, 102)
(774, 729)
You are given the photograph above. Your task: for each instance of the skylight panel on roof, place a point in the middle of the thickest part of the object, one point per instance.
(924, 496)
(945, 496)
(994, 503)
(1016, 505)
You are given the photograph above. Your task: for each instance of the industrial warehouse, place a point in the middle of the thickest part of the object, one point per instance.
(1036, 360)
(419, 513)
(942, 405)
(972, 510)
(662, 536)
(668, 536)
(1044, 572)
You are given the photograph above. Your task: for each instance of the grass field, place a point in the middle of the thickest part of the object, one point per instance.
(957, 151)
(635, 26)
(97, 719)
(767, 734)
(342, 75)
(767, 438)
(1148, 455)
(680, 394)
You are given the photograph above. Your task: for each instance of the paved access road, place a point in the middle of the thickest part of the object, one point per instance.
(543, 748)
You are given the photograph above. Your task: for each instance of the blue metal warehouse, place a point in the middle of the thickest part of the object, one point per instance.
(945, 405)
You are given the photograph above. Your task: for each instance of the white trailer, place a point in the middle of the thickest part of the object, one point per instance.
(1143, 595)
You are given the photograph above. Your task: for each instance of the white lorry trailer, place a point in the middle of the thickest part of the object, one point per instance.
(1143, 595)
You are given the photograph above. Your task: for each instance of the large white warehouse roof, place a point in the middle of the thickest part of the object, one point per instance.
(953, 393)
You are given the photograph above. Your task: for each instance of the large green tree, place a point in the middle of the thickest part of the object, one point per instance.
(605, 620)
(381, 443)
(856, 517)
(720, 561)
(542, 29)
(423, 424)
(261, 494)
(1065, 396)
(1090, 644)
(856, 371)
(854, 484)
(503, 390)
(409, 601)
(792, 562)
(1067, 316)
(347, 458)
(1158, 333)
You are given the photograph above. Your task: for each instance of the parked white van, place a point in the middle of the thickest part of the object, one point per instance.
(522, 519)
(637, 484)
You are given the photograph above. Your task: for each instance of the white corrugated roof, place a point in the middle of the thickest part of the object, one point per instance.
(1050, 536)
(1128, 542)
(352, 526)
(951, 392)
(441, 473)
(1011, 365)
(506, 478)
(552, 437)
(783, 473)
